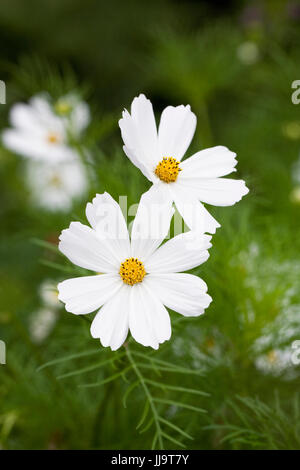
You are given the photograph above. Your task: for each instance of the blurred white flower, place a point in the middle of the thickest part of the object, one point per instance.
(43, 321)
(275, 362)
(37, 132)
(291, 130)
(41, 324)
(42, 132)
(295, 195)
(49, 294)
(54, 186)
(158, 155)
(75, 113)
(139, 278)
(248, 52)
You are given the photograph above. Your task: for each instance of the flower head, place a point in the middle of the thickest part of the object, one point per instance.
(139, 277)
(41, 133)
(158, 155)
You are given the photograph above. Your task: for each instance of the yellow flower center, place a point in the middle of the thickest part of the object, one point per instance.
(52, 138)
(55, 181)
(62, 107)
(132, 271)
(272, 356)
(167, 170)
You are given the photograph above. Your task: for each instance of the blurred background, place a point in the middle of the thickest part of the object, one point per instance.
(235, 67)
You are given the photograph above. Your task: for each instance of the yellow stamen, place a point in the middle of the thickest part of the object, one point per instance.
(52, 138)
(55, 181)
(62, 107)
(167, 170)
(132, 271)
(272, 356)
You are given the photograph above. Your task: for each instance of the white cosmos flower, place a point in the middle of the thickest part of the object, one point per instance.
(55, 186)
(139, 278)
(158, 155)
(40, 133)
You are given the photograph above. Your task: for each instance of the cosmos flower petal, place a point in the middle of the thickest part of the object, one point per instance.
(194, 214)
(147, 171)
(111, 322)
(80, 117)
(152, 221)
(139, 132)
(18, 142)
(40, 104)
(209, 163)
(24, 118)
(216, 191)
(143, 116)
(86, 294)
(86, 249)
(105, 216)
(176, 130)
(149, 321)
(21, 143)
(181, 253)
(55, 186)
(183, 293)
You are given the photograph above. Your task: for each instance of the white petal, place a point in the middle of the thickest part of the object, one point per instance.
(53, 186)
(45, 115)
(176, 130)
(111, 322)
(152, 221)
(216, 191)
(40, 105)
(24, 118)
(105, 216)
(83, 247)
(86, 294)
(139, 131)
(194, 214)
(19, 143)
(36, 147)
(209, 163)
(147, 171)
(80, 117)
(181, 253)
(183, 293)
(149, 321)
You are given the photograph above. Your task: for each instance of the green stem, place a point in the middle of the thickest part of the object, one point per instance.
(87, 166)
(148, 396)
(205, 127)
